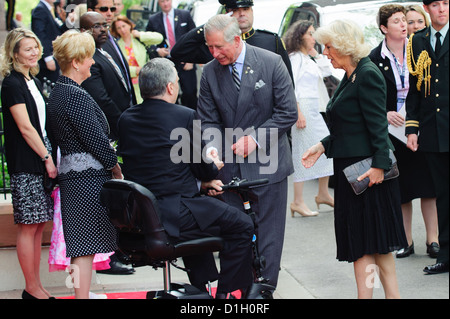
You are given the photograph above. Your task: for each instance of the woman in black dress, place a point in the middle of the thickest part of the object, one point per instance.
(415, 178)
(368, 226)
(87, 158)
(28, 151)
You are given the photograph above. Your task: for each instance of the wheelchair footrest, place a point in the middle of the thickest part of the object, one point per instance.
(179, 291)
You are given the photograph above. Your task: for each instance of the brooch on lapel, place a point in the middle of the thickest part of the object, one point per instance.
(353, 78)
(259, 84)
(248, 70)
(176, 18)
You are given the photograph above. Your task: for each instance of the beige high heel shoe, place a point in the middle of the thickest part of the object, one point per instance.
(323, 201)
(301, 211)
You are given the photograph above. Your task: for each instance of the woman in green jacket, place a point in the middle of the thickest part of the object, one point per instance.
(368, 226)
(133, 44)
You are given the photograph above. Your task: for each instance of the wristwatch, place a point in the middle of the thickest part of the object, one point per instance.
(46, 157)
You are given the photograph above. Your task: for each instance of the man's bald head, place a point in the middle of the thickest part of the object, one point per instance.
(87, 20)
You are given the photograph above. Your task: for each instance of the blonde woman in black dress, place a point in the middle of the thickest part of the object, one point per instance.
(28, 151)
(87, 158)
(368, 226)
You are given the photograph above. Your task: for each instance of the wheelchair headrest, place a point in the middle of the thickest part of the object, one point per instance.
(131, 206)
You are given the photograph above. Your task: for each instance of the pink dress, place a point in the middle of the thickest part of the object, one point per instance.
(57, 259)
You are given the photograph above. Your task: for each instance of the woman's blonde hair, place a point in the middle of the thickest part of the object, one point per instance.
(419, 9)
(72, 45)
(8, 61)
(346, 37)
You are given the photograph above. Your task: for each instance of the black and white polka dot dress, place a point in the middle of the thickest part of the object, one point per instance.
(81, 132)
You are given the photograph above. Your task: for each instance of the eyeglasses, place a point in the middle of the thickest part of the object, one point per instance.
(105, 9)
(98, 26)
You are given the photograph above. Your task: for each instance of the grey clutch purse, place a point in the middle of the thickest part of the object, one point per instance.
(353, 171)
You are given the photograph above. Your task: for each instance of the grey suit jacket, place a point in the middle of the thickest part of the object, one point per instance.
(265, 108)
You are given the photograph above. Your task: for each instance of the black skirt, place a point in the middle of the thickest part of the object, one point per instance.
(415, 177)
(369, 223)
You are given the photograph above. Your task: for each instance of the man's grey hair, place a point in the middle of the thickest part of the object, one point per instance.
(224, 23)
(154, 77)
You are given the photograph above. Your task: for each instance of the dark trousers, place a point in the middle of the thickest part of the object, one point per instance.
(439, 168)
(236, 229)
(188, 85)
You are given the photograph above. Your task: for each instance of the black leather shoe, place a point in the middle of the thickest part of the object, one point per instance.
(433, 249)
(117, 268)
(405, 252)
(438, 268)
(27, 295)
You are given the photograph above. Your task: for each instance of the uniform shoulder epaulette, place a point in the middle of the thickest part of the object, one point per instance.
(277, 38)
(268, 32)
(421, 30)
(421, 67)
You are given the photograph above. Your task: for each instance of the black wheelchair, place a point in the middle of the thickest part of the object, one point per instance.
(133, 210)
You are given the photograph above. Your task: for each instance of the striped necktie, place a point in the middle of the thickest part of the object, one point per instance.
(116, 68)
(236, 78)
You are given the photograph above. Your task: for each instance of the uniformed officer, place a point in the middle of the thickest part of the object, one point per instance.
(427, 107)
(192, 48)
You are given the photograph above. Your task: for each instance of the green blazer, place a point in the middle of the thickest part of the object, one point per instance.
(428, 114)
(357, 117)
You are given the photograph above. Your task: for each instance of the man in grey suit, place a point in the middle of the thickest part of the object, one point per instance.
(246, 94)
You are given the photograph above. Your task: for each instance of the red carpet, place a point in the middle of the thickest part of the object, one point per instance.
(140, 295)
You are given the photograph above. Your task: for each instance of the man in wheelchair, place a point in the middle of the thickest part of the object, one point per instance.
(146, 142)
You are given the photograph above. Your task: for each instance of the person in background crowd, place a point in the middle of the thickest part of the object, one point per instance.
(87, 158)
(416, 18)
(47, 27)
(10, 23)
(427, 108)
(250, 88)
(173, 24)
(133, 44)
(368, 226)
(107, 9)
(309, 69)
(415, 179)
(106, 85)
(28, 151)
(119, 5)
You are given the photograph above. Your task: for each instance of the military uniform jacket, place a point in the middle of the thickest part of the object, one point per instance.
(427, 115)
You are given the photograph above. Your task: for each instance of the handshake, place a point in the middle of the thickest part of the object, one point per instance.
(213, 187)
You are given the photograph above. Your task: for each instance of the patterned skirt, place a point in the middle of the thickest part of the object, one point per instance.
(31, 203)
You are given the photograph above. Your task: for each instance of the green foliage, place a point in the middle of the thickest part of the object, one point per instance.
(25, 6)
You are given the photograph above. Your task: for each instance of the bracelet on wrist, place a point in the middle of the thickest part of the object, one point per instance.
(46, 157)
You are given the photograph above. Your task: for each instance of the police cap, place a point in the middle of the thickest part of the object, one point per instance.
(233, 4)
